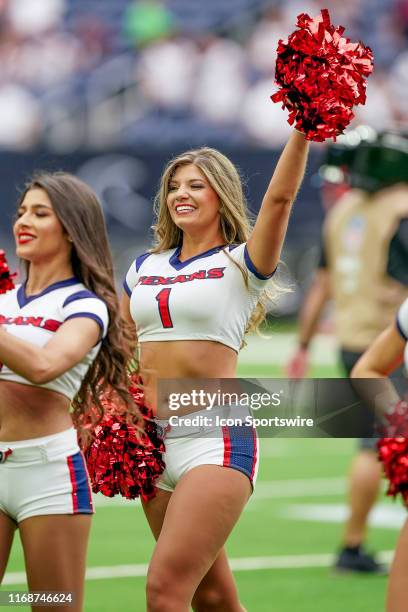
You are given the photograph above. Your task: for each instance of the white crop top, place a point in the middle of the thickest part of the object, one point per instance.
(36, 318)
(202, 298)
(402, 324)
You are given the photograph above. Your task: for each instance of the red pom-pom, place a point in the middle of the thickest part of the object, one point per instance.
(393, 453)
(395, 422)
(121, 458)
(6, 279)
(321, 76)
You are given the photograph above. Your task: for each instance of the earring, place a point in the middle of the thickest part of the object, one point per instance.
(69, 239)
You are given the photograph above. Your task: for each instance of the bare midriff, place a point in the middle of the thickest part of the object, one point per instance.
(182, 359)
(28, 412)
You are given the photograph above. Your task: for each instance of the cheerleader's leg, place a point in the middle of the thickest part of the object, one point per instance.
(200, 515)
(397, 586)
(7, 529)
(55, 549)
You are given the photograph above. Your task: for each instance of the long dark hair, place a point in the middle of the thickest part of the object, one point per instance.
(80, 213)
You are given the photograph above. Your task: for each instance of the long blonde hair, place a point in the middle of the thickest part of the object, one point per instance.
(236, 225)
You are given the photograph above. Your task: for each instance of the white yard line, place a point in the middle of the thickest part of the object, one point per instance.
(243, 564)
(383, 516)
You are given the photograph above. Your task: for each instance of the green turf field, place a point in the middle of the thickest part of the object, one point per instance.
(282, 548)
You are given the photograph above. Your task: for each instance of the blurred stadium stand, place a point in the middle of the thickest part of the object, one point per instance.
(112, 88)
(108, 73)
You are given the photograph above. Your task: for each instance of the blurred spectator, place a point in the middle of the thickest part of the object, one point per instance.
(47, 60)
(204, 83)
(293, 8)
(20, 118)
(265, 123)
(95, 38)
(402, 14)
(263, 42)
(398, 84)
(165, 73)
(221, 80)
(3, 9)
(381, 29)
(378, 110)
(33, 17)
(146, 21)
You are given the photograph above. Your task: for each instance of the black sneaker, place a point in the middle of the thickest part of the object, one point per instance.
(358, 561)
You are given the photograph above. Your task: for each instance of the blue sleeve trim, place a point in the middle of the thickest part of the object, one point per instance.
(88, 315)
(401, 331)
(252, 268)
(127, 288)
(80, 295)
(140, 260)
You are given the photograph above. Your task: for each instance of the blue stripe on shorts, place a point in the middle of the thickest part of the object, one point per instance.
(243, 448)
(83, 491)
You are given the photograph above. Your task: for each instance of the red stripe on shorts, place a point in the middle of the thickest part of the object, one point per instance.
(73, 483)
(227, 446)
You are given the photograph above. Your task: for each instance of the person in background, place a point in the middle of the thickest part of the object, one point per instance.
(386, 353)
(363, 268)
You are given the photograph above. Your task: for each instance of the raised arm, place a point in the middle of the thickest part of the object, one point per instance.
(69, 345)
(266, 240)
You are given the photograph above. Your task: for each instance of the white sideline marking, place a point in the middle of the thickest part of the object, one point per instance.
(243, 564)
(382, 516)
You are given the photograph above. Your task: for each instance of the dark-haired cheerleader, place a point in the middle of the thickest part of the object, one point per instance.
(62, 343)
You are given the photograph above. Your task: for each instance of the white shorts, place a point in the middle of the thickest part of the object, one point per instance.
(234, 446)
(44, 476)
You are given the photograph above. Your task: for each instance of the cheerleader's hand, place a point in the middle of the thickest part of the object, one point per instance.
(298, 365)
